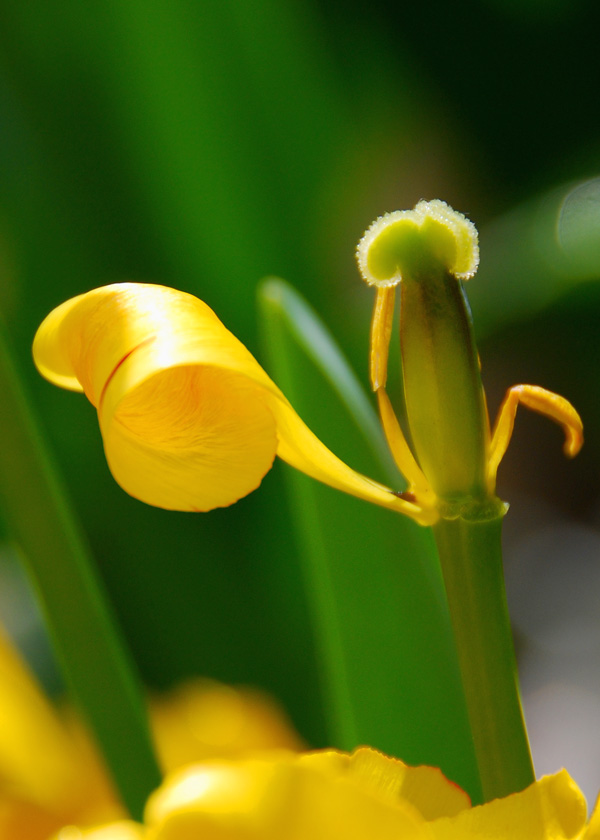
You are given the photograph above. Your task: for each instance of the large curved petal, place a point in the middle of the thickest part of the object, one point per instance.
(274, 797)
(365, 794)
(189, 419)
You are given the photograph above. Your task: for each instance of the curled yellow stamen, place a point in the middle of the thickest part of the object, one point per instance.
(545, 402)
(381, 331)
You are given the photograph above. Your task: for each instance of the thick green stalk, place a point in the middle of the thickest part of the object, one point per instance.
(94, 660)
(430, 250)
(471, 557)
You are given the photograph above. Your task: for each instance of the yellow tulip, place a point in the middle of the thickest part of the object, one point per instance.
(362, 796)
(189, 419)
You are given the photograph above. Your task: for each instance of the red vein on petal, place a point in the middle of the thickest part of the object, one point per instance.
(119, 363)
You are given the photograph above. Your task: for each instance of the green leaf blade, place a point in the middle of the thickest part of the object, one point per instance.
(94, 659)
(387, 659)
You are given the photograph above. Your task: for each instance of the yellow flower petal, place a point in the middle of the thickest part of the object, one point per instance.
(125, 830)
(324, 795)
(425, 788)
(552, 808)
(190, 420)
(203, 719)
(278, 797)
(24, 820)
(28, 728)
(593, 829)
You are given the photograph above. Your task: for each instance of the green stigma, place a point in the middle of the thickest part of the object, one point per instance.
(413, 242)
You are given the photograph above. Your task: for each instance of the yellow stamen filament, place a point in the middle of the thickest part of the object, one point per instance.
(381, 331)
(405, 460)
(545, 402)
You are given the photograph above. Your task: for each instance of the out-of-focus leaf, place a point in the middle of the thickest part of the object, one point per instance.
(317, 343)
(535, 253)
(167, 126)
(95, 662)
(387, 661)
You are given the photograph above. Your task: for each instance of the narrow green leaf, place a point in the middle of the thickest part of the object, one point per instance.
(87, 642)
(316, 342)
(181, 105)
(386, 656)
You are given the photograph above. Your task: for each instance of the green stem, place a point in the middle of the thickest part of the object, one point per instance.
(471, 557)
(95, 662)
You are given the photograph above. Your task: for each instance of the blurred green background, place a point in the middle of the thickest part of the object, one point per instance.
(205, 145)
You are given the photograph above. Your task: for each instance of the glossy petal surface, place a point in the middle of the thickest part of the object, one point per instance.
(190, 420)
(360, 796)
(281, 796)
(553, 808)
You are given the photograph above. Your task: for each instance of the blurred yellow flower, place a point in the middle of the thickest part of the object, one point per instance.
(205, 719)
(52, 776)
(189, 419)
(363, 796)
(124, 830)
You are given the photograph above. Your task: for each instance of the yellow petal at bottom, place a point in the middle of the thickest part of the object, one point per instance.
(553, 808)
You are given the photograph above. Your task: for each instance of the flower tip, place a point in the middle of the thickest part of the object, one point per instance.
(50, 350)
(408, 241)
(573, 442)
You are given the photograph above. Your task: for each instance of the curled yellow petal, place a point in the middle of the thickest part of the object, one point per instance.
(189, 419)
(183, 423)
(545, 402)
